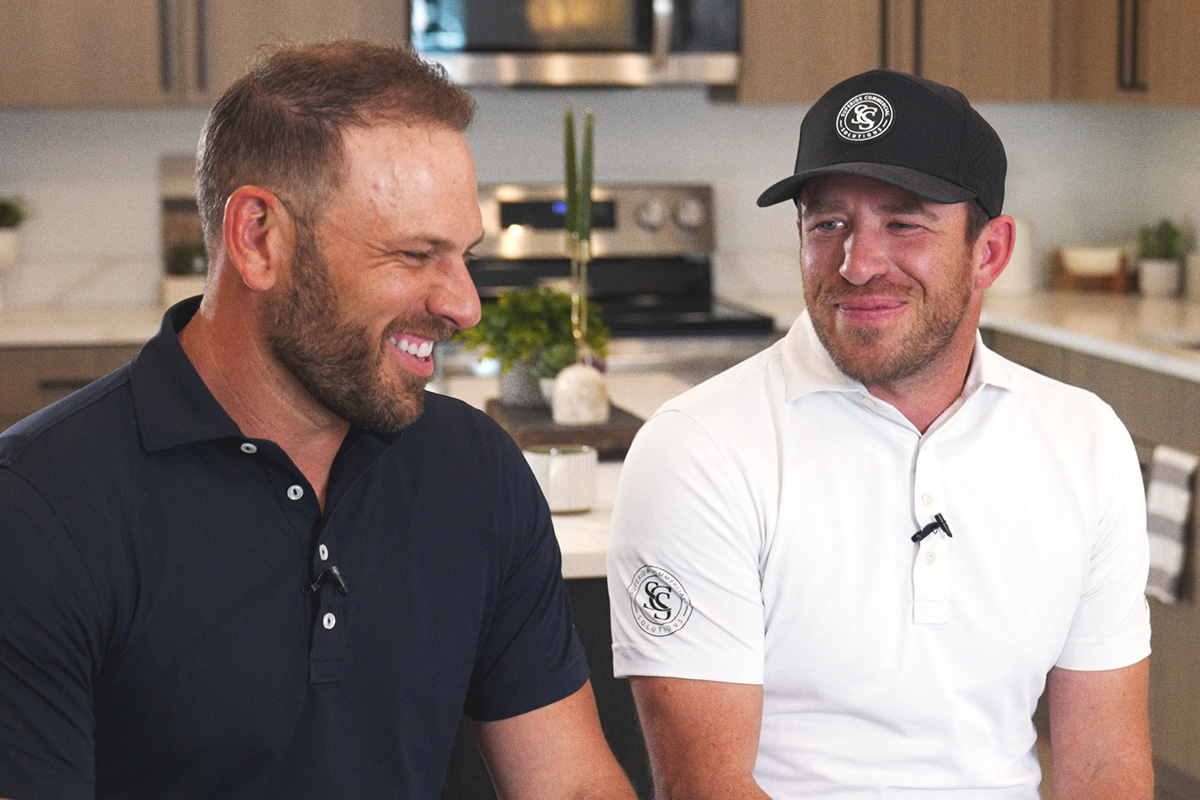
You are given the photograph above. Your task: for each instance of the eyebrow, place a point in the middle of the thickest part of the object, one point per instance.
(908, 207)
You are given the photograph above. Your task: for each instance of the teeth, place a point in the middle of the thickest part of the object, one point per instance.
(422, 350)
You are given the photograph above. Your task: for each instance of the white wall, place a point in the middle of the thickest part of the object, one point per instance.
(1077, 174)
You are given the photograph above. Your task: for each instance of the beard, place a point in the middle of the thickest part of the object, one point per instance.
(865, 354)
(336, 360)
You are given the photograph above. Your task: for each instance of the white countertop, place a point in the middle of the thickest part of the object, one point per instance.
(583, 538)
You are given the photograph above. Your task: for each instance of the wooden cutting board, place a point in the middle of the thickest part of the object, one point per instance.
(533, 426)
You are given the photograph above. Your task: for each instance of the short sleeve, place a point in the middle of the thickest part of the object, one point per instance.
(530, 655)
(1111, 626)
(684, 559)
(50, 641)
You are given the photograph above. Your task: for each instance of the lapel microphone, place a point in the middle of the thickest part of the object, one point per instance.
(938, 522)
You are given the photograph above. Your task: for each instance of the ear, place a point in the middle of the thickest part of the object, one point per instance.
(992, 250)
(260, 236)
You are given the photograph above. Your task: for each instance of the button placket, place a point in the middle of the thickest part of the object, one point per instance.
(931, 563)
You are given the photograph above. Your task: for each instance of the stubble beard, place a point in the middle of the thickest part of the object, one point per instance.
(864, 354)
(338, 362)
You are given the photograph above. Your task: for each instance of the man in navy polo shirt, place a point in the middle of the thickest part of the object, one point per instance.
(259, 561)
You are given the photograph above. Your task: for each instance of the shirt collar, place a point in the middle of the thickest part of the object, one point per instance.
(808, 367)
(172, 404)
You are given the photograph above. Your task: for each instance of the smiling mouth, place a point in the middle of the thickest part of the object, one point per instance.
(421, 350)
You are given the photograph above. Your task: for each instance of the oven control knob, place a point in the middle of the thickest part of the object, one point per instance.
(690, 214)
(652, 214)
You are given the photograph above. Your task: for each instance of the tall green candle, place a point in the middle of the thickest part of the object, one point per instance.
(583, 209)
(571, 185)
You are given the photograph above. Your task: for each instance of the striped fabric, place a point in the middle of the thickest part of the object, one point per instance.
(1168, 507)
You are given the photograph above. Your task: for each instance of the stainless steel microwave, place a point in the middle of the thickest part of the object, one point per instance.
(580, 42)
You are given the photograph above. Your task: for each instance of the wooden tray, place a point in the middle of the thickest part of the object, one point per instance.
(533, 426)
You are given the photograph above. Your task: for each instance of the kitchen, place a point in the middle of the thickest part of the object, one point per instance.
(1079, 173)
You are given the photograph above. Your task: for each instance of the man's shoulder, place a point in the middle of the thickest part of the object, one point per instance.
(73, 427)
(758, 379)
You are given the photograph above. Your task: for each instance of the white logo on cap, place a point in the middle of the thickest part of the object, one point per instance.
(864, 117)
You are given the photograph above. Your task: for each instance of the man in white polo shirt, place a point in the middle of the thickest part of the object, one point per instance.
(850, 566)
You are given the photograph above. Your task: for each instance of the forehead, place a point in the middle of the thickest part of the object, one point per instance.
(826, 192)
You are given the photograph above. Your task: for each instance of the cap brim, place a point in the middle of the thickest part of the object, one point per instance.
(921, 184)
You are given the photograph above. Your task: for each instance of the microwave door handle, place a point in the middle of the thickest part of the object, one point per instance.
(660, 38)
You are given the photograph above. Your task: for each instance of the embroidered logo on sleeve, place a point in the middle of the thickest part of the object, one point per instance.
(660, 605)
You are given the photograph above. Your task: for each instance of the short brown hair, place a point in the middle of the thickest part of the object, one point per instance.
(280, 125)
(977, 218)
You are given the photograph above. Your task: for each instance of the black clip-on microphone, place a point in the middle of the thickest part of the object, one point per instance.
(328, 575)
(938, 522)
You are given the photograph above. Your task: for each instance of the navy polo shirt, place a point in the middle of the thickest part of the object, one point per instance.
(155, 640)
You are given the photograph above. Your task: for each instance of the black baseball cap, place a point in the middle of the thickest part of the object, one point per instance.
(905, 131)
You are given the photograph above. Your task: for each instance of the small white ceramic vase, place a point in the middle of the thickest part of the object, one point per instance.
(580, 396)
(1158, 277)
(9, 248)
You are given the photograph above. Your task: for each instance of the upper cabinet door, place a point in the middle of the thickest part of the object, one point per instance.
(144, 53)
(1130, 51)
(793, 50)
(80, 53)
(990, 50)
(223, 36)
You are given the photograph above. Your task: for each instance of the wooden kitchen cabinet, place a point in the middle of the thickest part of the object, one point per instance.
(77, 53)
(992, 50)
(37, 376)
(226, 34)
(1130, 51)
(153, 53)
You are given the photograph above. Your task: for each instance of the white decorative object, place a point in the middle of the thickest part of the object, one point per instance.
(1158, 277)
(8, 247)
(1192, 276)
(580, 396)
(567, 475)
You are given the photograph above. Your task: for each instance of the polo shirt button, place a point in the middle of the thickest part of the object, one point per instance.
(927, 499)
(329, 621)
(930, 558)
(323, 552)
(295, 492)
(249, 448)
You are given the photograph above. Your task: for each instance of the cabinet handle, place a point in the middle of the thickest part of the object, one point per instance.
(166, 47)
(884, 30)
(918, 37)
(660, 33)
(62, 384)
(202, 45)
(1128, 50)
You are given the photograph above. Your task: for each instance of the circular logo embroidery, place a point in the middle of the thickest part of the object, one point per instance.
(660, 605)
(864, 117)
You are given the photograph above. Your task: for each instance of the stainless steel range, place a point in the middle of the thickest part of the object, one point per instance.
(652, 249)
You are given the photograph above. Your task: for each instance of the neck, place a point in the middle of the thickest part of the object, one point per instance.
(924, 396)
(261, 396)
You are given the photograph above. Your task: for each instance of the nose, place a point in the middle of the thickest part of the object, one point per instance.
(455, 298)
(863, 258)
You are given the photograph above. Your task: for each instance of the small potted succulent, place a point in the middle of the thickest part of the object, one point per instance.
(11, 216)
(1160, 248)
(529, 332)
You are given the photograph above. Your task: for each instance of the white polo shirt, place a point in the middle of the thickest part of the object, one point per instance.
(762, 534)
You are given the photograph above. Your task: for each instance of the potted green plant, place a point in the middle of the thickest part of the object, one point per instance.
(529, 332)
(1160, 248)
(11, 216)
